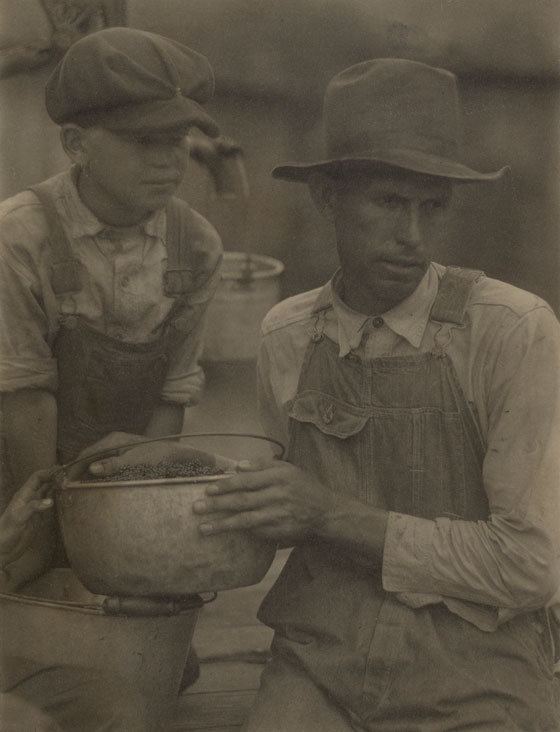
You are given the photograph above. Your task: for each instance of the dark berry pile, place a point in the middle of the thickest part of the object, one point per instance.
(163, 469)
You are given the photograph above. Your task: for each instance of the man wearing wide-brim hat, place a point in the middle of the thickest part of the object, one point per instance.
(420, 408)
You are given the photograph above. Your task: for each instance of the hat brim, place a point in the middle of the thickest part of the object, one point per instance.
(163, 114)
(410, 160)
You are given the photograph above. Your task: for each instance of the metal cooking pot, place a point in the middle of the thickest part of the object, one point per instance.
(141, 538)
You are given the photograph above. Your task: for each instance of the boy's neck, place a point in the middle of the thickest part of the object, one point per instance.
(107, 211)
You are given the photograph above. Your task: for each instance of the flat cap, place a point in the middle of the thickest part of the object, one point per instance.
(128, 79)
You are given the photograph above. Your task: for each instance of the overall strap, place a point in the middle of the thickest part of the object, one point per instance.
(180, 272)
(453, 295)
(65, 276)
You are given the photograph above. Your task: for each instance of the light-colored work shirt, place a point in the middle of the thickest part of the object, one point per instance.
(122, 288)
(507, 359)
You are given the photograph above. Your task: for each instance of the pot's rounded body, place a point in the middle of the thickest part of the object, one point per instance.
(141, 538)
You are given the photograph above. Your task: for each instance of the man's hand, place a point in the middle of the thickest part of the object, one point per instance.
(19, 522)
(273, 499)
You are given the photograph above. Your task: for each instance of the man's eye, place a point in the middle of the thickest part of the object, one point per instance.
(390, 200)
(434, 204)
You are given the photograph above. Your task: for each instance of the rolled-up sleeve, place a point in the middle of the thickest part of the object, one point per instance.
(185, 378)
(27, 309)
(512, 560)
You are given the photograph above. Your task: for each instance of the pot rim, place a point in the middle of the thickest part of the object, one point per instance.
(139, 483)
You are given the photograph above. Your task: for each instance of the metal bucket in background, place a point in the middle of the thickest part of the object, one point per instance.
(250, 287)
(55, 620)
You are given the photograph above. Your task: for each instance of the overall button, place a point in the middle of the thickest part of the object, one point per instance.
(70, 322)
(328, 413)
(125, 281)
(377, 322)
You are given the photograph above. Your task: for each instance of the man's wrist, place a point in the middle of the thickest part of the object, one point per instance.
(357, 527)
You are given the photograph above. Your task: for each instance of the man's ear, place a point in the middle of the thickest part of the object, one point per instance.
(323, 192)
(72, 138)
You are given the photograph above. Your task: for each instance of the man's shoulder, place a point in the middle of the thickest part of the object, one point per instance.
(496, 295)
(293, 312)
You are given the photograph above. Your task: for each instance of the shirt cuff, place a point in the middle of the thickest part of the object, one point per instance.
(184, 390)
(406, 553)
(17, 374)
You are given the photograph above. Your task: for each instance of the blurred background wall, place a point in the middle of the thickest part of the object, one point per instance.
(272, 60)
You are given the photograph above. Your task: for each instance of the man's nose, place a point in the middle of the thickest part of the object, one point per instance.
(410, 232)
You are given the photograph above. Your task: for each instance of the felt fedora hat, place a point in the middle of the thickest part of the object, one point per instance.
(391, 112)
(125, 79)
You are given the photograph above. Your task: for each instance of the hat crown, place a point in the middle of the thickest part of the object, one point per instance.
(126, 68)
(392, 104)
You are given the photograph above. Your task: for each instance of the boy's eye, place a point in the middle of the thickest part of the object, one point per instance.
(148, 140)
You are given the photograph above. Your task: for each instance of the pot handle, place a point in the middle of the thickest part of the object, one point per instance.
(153, 607)
(57, 475)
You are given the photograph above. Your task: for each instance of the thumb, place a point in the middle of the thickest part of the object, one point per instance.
(247, 466)
(108, 466)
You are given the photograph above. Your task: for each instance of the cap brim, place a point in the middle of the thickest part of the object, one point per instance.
(157, 115)
(411, 160)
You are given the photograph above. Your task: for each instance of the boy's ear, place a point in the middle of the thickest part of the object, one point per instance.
(72, 138)
(323, 192)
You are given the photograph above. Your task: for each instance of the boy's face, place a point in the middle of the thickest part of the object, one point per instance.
(126, 176)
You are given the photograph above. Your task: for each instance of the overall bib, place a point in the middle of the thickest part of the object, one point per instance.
(398, 433)
(104, 384)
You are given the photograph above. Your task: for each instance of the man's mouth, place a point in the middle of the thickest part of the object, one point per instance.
(162, 182)
(403, 263)
(402, 267)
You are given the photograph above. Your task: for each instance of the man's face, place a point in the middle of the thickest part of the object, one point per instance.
(387, 229)
(128, 176)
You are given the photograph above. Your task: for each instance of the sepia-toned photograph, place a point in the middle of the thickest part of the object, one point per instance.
(279, 366)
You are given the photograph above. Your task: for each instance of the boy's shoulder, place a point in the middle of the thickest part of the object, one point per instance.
(21, 218)
(23, 214)
(201, 232)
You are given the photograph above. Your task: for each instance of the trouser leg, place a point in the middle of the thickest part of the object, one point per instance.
(289, 701)
(18, 715)
(83, 700)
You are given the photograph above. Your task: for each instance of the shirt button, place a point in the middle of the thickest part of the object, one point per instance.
(377, 322)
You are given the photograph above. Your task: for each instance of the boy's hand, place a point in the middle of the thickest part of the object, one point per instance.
(147, 453)
(113, 442)
(19, 521)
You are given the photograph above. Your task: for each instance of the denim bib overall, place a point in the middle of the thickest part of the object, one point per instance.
(104, 384)
(398, 433)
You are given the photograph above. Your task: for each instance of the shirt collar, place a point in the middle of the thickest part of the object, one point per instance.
(81, 221)
(408, 319)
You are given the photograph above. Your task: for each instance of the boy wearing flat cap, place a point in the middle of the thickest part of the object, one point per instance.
(421, 409)
(104, 275)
